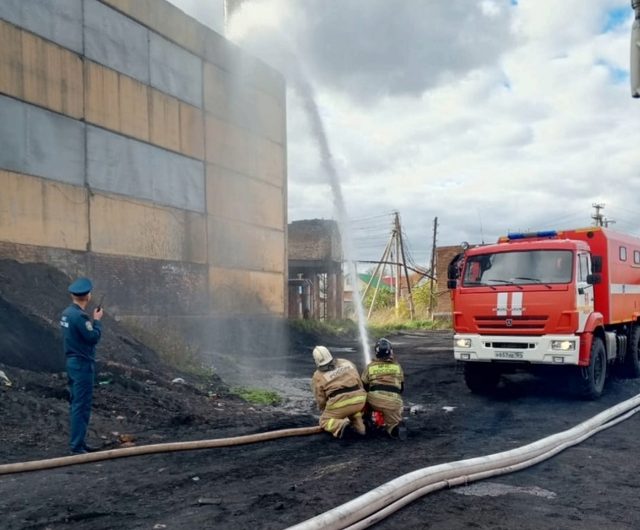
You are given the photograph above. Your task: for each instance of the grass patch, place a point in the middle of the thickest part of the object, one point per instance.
(336, 328)
(382, 322)
(386, 328)
(257, 396)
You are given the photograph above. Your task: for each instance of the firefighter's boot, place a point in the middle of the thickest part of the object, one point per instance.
(358, 424)
(399, 432)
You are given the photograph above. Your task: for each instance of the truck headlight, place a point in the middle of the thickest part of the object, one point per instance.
(463, 343)
(563, 345)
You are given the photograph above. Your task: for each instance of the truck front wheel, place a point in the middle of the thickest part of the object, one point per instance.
(590, 379)
(631, 363)
(481, 378)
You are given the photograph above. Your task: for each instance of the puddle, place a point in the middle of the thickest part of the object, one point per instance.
(495, 489)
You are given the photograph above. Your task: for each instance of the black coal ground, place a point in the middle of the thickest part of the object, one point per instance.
(276, 484)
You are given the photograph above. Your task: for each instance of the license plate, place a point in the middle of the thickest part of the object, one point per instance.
(509, 354)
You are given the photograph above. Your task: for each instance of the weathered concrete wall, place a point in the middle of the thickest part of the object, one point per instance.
(315, 240)
(145, 150)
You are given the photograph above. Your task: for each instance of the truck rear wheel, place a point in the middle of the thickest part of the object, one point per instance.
(481, 378)
(590, 379)
(631, 363)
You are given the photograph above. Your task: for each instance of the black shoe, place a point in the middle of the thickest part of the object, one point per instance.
(399, 432)
(79, 452)
(91, 449)
(402, 433)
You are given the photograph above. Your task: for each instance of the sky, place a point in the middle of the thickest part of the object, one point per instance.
(491, 115)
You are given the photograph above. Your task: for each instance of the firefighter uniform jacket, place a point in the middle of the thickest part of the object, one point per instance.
(342, 384)
(384, 376)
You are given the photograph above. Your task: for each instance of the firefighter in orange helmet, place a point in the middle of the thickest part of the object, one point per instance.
(339, 394)
(383, 379)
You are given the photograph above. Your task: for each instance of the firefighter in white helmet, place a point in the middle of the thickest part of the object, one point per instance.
(383, 379)
(339, 393)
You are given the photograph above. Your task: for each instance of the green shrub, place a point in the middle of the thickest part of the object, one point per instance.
(257, 396)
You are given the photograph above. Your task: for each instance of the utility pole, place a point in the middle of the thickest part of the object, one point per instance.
(433, 267)
(412, 312)
(396, 230)
(394, 256)
(598, 218)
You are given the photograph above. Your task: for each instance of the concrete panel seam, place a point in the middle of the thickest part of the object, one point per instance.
(278, 94)
(253, 178)
(142, 141)
(154, 30)
(61, 27)
(43, 38)
(247, 223)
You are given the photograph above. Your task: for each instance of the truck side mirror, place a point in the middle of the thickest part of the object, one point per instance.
(452, 284)
(594, 279)
(596, 264)
(453, 270)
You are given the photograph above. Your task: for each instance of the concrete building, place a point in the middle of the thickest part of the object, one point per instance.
(316, 280)
(142, 149)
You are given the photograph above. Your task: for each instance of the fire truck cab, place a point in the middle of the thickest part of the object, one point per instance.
(566, 300)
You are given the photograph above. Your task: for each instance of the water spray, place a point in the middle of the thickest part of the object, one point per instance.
(306, 92)
(287, 62)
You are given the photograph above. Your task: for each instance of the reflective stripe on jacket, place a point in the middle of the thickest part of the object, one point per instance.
(381, 373)
(331, 382)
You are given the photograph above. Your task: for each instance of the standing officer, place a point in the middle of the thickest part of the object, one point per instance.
(383, 379)
(80, 334)
(338, 391)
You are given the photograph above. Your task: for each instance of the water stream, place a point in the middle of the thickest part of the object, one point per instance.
(280, 54)
(306, 93)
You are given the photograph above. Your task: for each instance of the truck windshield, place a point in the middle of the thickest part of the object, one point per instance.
(519, 268)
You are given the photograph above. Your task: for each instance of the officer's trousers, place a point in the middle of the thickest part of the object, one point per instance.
(389, 404)
(342, 410)
(80, 375)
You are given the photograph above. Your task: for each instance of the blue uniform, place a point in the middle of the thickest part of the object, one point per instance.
(80, 335)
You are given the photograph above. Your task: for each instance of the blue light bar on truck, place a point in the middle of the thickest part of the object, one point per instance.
(524, 235)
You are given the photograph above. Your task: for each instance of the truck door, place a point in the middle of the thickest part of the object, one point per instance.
(584, 290)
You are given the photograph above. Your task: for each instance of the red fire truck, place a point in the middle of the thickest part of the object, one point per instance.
(567, 300)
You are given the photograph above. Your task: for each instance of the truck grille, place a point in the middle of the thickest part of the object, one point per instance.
(529, 322)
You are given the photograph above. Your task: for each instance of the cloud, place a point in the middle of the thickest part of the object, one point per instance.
(372, 49)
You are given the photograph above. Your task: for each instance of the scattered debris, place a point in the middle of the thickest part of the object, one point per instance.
(126, 440)
(207, 501)
(178, 381)
(5, 379)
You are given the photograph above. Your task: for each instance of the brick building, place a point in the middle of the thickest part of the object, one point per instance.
(316, 281)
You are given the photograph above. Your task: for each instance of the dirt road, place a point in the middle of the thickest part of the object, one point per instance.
(276, 484)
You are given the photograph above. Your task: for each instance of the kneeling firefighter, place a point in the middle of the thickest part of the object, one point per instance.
(339, 393)
(383, 379)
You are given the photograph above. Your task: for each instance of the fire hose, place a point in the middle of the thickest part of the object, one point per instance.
(34, 465)
(384, 500)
